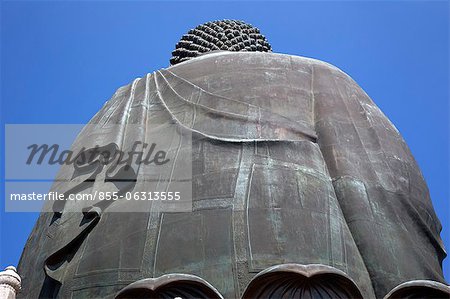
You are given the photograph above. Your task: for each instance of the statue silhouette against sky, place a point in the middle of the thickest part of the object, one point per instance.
(301, 187)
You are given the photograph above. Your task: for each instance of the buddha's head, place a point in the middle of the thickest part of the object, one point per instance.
(225, 35)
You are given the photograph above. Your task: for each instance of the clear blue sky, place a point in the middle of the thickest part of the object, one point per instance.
(60, 61)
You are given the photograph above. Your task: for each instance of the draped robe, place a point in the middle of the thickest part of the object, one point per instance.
(292, 163)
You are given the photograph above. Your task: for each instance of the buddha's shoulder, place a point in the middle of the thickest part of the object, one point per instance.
(225, 61)
(238, 73)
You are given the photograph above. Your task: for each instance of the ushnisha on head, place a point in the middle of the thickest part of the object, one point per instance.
(225, 35)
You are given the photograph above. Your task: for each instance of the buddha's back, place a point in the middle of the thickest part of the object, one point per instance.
(300, 186)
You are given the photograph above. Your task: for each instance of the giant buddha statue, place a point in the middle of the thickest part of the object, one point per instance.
(301, 188)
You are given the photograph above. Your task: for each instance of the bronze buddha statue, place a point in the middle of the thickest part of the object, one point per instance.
(301, 188)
